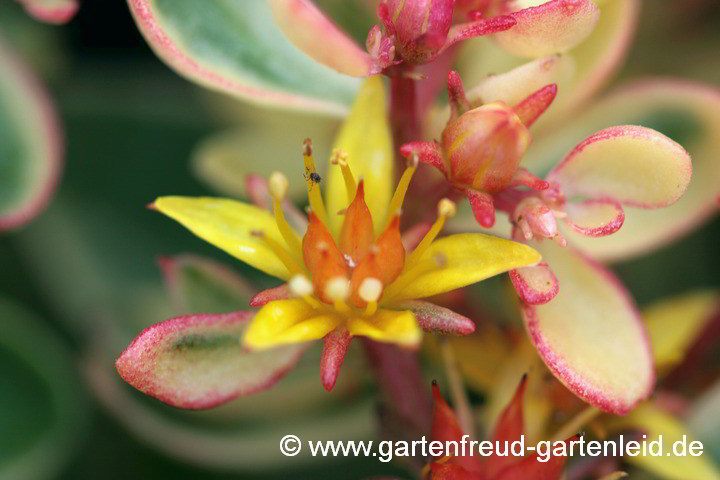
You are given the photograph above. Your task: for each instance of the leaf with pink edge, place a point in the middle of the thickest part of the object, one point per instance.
(434, 318)
(513, 86)
(591, 63)
(591, 335)
(51, 11)
(547, 28)
(629, 164)
(535, 285)
(316, 35)
(687, 112)
(30, 144)
(201, 285)
(594, 218)
(198, 361)
(235, 47)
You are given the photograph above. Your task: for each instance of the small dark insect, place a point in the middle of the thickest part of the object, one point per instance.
(315, 177)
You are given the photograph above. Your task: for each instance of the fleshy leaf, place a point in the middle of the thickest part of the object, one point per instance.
(687, 113)
(201, 285)
(42, 396)
(594, 218)
(513, 86)
(555, 26)
(228, 224)
(656, 423)
(198, 361)
(316, 35)
(51, 11)
(434, 318)
(535, 285)
(235, 47)
(632, 165)
(675, 323)
(469, 258)
(591, 63)
(366, 137)
(590, 335)
(31, 144)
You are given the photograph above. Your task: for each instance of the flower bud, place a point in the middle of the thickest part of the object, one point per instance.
(484, 147)
(421, 27)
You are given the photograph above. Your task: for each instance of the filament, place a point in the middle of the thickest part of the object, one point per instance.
(446, 209)
(278, 185)
(313, 183)
(279, 251)
(339, 157)
(402, 188)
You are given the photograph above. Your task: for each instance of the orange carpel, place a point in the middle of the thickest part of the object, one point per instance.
(385, 261)
(357, 235)
(321, 255)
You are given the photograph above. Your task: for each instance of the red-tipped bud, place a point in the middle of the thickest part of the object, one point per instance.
(420, 26)
(484, 147)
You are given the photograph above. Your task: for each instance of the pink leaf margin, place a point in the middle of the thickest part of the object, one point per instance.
(170, 53)
(557, 364)
(52, 134)
(135, 364)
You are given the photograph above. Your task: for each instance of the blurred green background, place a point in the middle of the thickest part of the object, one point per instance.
(86, 267)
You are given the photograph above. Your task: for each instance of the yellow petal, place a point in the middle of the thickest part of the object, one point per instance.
(674, 324)
(289, 321)
(366, 137)
(668, 466)
(227, 225)
(468, 258)
(388, 326)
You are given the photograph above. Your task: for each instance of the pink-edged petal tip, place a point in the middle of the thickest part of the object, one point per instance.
(437, 319)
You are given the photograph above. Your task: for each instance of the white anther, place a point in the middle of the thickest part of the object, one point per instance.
(370, 289)
(278, 185)
(337, 289)
(300, 285)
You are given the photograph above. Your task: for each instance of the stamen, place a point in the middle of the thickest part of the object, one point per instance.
(313, 183)
(437, 262)
(301, 286)
(399, 196)
(338, 290)
(370, 291)
(446, 209)
(339, 157)
(278, 186)
(279, 252)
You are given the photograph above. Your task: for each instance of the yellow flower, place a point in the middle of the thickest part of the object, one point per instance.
(350, 272)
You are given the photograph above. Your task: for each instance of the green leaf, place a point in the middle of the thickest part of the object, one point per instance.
(41, 399)
(30, 145)
(234, 46)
